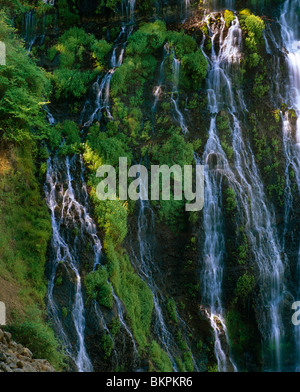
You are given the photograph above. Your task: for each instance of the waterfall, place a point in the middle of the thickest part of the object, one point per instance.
(185, 8)
(101, 91)
(29, 30)
(143, 260)
(129, 6)
(247, 184)
(67, 215)
(100, 94)
(175, 94)
(50, 118)
(158, 89)
(73, 228)
(289, 22)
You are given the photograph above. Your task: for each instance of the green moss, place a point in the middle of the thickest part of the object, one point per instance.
(242, 336)
(160, 358)
(231, 203)
(171, 308)
(107, 345)
(188, 361)
(244, 287)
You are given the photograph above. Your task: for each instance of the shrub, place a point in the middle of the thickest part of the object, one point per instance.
(147, 39)
(195, 68)
(253, 27)
(182, 43)
(229, 17)
(98, 288)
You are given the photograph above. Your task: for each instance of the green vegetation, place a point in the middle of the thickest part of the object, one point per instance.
(229, 17)
(253, 27)
(161, 361)
(107, 345)
(242, 336)
(75, 58)
(98, 288)
(23, 88)
(244, 287)
(39, 338)
(76, 48)
(231, 203)
(171, 307)
(134, 293)
(25, 223)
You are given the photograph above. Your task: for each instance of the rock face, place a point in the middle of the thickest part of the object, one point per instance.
(16, 358)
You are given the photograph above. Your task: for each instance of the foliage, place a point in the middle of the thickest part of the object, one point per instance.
(241, 334)
(171, 308)
(231, 203)
(23, 86)
(98, 288)
(33, 333)
(107, 345)
(147, 39)
(244, 287)
(253, 27)
(75, 48)
(133, 292)
(195, 68)
(160, 358)
(68, 15)
(175, 151)
(229, 17)
(182, 43)
(25, 222)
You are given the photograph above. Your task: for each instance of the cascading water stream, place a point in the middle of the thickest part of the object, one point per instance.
(247, 184)
(72, 228)
(175, 94)
(94, 107)
(289, 22)
(185, 9)
(158, 89)
(29, 30)
(143, 260)
(66, 211)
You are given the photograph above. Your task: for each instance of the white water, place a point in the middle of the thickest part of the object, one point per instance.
(175, 94)
(158, 89)
(100, 101)
(30, 28)
(69, 215)
(185, 9)
(143, 260)
(289, 22)
(65, 209)
(247, 184)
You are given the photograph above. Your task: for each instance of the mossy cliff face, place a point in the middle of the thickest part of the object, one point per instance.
(75, 55)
